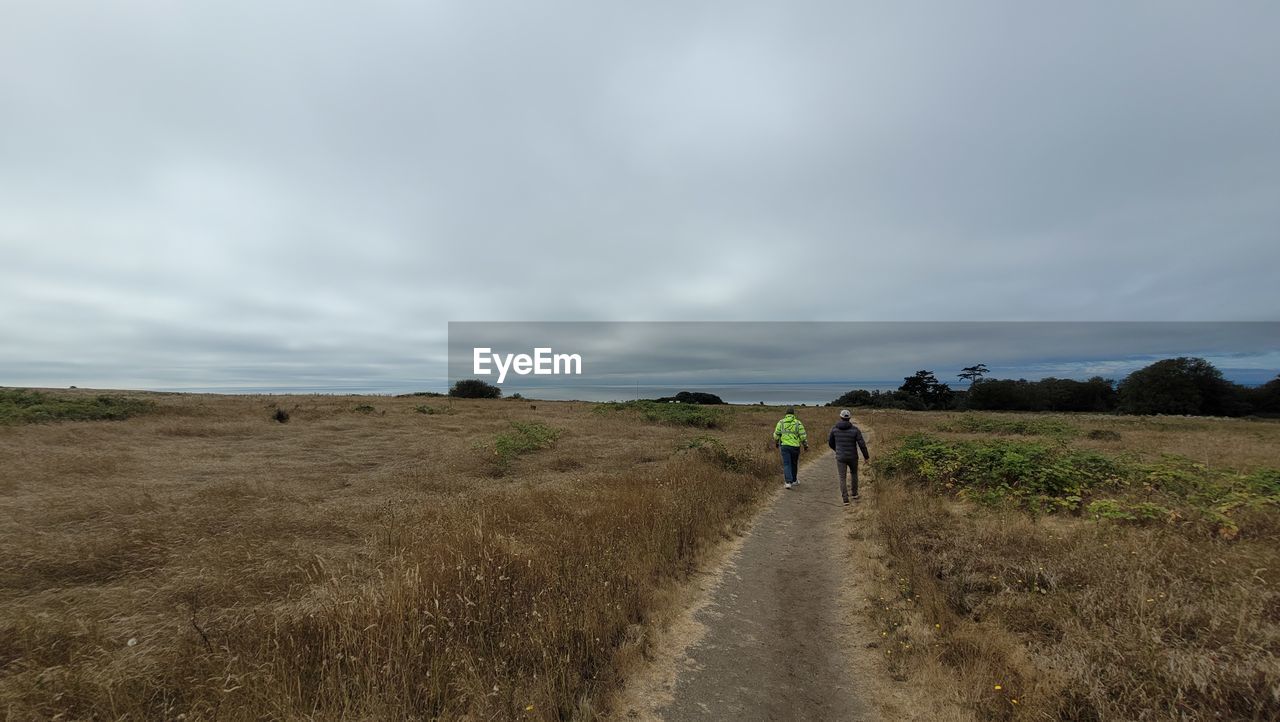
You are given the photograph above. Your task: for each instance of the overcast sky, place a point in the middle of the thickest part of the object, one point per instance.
(623, 360)
(199, 194)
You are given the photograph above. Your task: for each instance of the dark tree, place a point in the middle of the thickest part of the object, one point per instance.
(1004, 395)
(925, 388)
(475, 389)
(856, 397)
(1180, 386)
(973, 374)
(1266, 398)
(693, 397)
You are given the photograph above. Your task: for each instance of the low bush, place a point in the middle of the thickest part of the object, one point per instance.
(717, 453)
(524, 437)
(1031, 474)
(475, 389)
(20, 406)
(1054, 478)
(672, 414)
(1010, 427)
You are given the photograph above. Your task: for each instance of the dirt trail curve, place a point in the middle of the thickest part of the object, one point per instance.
(772, 634)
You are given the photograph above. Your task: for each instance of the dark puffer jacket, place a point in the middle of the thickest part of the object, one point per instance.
(847, 440)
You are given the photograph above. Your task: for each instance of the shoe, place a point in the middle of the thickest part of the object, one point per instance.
(856, 497)
(788, 485)
(846, 502)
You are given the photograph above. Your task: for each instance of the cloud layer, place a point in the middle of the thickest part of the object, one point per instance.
(200, 194)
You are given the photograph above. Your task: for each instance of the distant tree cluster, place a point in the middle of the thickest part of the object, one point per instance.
(1189, 386)
(919, 392)
(692, 397)
(1050, 394)
(875, 399)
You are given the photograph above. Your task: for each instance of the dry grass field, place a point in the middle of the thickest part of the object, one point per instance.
(1149, 592)
(373, 557)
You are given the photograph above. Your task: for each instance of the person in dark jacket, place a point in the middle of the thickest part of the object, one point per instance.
(846, 440)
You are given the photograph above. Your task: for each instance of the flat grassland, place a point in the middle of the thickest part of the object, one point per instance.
(371, 557)
(1082, 567)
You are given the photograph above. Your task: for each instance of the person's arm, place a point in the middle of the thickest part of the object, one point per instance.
(831, 439)
(862, 444)
(777, 435)
(804, 438)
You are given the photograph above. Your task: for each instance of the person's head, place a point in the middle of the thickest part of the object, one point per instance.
(844, 414)
(791, 410)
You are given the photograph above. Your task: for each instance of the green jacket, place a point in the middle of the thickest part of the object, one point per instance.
(790, 432)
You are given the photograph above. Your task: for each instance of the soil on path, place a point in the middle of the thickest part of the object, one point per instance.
(774, 629)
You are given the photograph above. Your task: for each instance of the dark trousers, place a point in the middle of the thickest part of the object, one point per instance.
(852, 466)
(790, 463)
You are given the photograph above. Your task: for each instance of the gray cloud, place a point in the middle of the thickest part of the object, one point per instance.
(842, 355)
(311, 191)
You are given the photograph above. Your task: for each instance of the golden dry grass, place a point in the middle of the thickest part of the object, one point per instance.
(205, 560)
(1064, 617)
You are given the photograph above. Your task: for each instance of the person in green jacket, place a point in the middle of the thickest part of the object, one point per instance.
(789, 436)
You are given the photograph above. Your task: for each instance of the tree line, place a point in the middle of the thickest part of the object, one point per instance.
(1183, 385)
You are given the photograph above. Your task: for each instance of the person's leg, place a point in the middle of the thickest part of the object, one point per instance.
(841, 467)
(794, 466)
(786, 464)
(853, 477)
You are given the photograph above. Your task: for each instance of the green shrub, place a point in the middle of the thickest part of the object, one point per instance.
(523, 438)
(1265, 482)
(1109, 509)
(672, 414)
(1031, 474)
(1012, 427)
(715, 450)
(364, 409)
(1119, 510)
(20, 406)
(1054, 478)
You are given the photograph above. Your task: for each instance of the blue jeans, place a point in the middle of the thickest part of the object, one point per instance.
(790, 463)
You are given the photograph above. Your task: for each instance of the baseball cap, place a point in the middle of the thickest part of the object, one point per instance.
(844, 413)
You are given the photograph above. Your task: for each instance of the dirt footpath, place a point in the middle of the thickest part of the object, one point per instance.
(773, 629)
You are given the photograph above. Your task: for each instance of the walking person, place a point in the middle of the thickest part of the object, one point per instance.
(847, 440)
(789, 436)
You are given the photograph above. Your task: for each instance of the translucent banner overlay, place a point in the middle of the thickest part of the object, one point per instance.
(814, 362)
